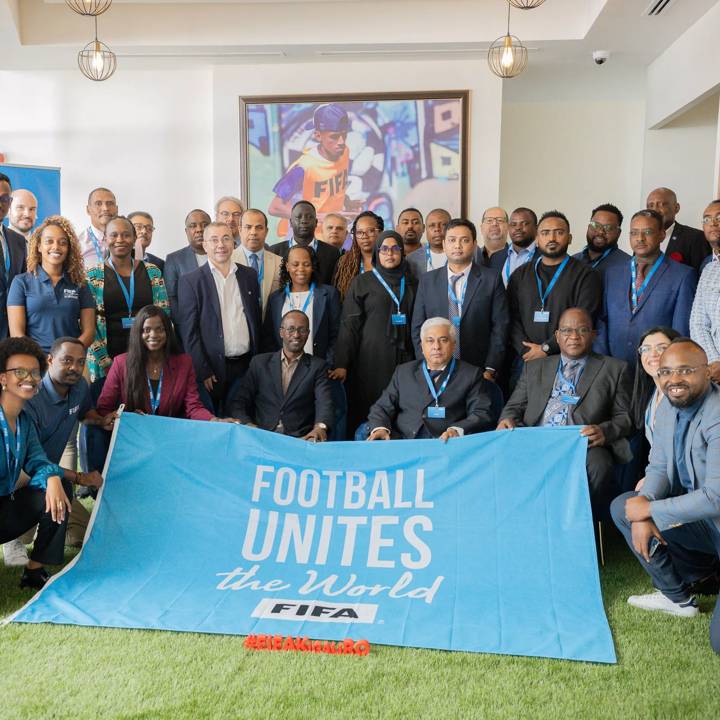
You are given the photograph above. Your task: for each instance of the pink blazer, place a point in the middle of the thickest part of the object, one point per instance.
(179, 396)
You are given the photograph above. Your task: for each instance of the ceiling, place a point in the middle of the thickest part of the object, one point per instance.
(41, 34)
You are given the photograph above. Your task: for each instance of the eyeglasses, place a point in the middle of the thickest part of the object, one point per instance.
(581, 331)
(219, 241)
(22, 373)
(659, 349)
(665, 372)
(226, 214)
(6, 199)
(710, 220)
(608, 228)
(147, 228)
(366, 233)
(388, 249)
(494, 220)
(647, 232)
(296, 330)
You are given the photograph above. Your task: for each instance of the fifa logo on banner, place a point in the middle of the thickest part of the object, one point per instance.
(275, 609)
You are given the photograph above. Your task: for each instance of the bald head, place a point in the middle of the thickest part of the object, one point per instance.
(23, 211)
(664, 201)
(683, 373)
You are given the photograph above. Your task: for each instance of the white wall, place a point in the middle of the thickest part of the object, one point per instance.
(145, 135)
(571, 140)
(681, 156)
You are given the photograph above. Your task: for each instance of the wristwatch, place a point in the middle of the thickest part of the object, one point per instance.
(322, 426)
(545, 348)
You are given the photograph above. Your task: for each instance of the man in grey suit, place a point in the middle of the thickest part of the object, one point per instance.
(188, 259)
(580, 388)
(673, 524)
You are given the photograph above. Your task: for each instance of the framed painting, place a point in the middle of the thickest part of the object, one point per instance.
(348, 153)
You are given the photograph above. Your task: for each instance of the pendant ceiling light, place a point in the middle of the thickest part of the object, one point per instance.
(96, 61)
(507, 56)
(526, 4)
(89, 7)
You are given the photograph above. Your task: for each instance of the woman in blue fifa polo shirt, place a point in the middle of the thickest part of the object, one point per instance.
(52, 298)
(43, 501)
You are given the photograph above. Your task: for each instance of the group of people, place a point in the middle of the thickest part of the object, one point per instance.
(348, 330)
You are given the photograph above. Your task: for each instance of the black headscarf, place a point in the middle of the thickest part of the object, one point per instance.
(398, 334)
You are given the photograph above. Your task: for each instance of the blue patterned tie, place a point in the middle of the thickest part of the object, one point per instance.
(557, 413)
(254, 264)
(455, 309)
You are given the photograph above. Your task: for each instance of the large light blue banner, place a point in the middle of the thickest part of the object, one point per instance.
(483, 544)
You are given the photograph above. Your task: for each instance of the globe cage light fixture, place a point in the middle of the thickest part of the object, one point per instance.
(526, 4)
(89, 7)
(96, 61)
(507, 56)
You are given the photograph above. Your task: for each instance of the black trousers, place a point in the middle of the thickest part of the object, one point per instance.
(24, 509)
(223, 393)
(600, 468)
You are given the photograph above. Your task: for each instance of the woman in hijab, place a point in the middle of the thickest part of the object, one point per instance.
(375, 328)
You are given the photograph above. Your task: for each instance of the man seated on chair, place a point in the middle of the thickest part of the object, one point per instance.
(287, 391)
(580, 388)
(436, 397)
(673, 524)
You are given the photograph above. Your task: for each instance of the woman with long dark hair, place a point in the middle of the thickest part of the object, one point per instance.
(375, 327)
(359, 259)
(153, 377)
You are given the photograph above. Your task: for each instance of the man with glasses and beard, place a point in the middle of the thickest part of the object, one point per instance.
(602, 251)
(672, 525)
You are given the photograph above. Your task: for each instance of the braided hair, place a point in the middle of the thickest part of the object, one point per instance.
(348, 266)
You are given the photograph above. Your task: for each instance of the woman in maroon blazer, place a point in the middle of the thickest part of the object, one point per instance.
(153, 376)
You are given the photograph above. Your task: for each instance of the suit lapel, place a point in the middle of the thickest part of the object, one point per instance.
(211, 291)
(547, 378)
(420, 377)
(319, 302)
(694, 427)
(473, 282)
(275, 370)
(651, 285)
(170, 380)
(300, 372)
(593, 365)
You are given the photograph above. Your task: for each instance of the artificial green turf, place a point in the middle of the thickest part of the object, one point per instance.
(665, 669)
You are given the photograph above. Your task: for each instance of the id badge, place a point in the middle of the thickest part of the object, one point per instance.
(542, 316)
(456, 321)
(127, 322)
(435, 412)
(570, 399)
(398, 319)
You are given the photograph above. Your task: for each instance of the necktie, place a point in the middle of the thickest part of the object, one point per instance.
(254, 264)
(642, 270)
(680, 435)
(557, 412)
(455, 309)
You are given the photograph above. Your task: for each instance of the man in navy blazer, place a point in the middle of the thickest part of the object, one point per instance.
(219, 314)
(483, 319)
(14, 253)
(663, 292)
(190, 258)
(287, 391)
(602, 251)
(673, 524)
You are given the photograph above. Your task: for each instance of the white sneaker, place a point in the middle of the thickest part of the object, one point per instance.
(661, 603)
(15, 554)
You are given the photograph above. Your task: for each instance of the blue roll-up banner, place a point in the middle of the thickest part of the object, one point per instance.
(43, 182)
(483, 544)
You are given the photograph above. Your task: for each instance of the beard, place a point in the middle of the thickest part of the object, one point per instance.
(525, 242)
(597, 248)
(552, 254)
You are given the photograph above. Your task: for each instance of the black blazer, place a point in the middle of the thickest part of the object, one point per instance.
(604, 390)
(402, 408)
(260, 399)
(485, 318)
(18, 258)
(201, 323)
(327, 257)
(688, 246)
(326, 322)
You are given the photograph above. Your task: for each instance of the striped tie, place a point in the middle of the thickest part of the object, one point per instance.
(455, 312)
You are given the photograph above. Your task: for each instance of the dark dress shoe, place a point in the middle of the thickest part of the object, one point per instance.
(35, 578)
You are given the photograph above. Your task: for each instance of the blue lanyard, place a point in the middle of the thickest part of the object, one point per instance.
(261, 271)
(506, 269)
(555, 277)
(428, 259)
(13, 464)
(431, 385)
(96, 244)
(564, 381)
(307, 299)
(155, 397)
(451, 292)
(595, 263)
(129, 296)
(396, 300)
(362, 266)
(635, 293)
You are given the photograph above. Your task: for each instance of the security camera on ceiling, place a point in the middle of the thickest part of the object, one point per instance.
(600, 56)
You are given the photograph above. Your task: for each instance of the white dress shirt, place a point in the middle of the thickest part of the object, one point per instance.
(461, 284)
(668, 234)
(296, 301)
(515, 259)
(87, 247)
(236, 334)
(200, 259)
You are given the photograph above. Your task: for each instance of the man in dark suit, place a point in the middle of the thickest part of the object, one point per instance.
(579, 388)
(188, 259)
(494, 233)
(470, 296)
(683, 244)
(219, 313)
(435, 397)
(649, 291)
(672, 525)
(602, 251)
(287, 391)
(144, 228)
(303, 220)
(13, 249)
